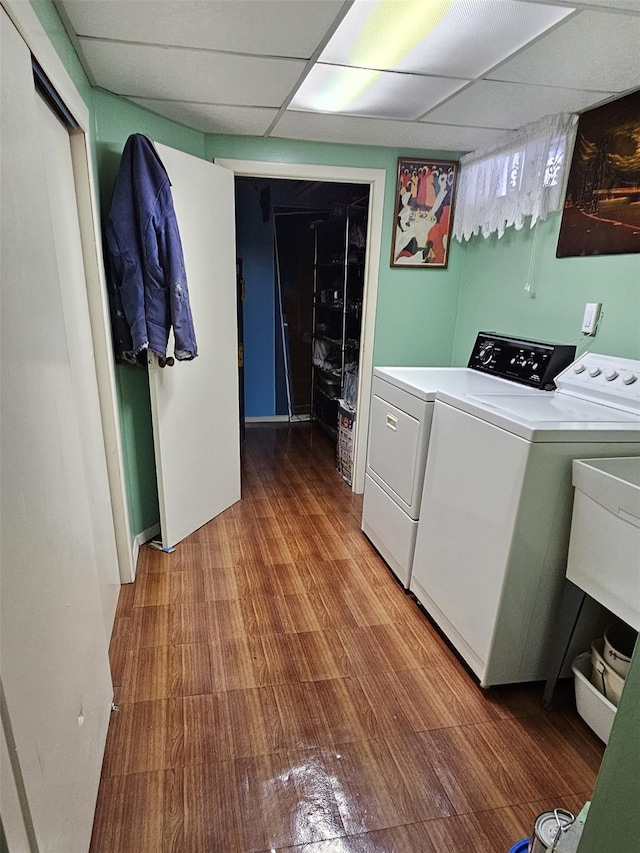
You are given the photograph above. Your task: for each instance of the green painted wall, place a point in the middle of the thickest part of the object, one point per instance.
(493, 296)
(50, 20)
(416, 311)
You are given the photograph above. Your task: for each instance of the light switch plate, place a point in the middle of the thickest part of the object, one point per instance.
(591, 316)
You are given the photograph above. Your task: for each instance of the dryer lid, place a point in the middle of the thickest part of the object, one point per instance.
(553, 417)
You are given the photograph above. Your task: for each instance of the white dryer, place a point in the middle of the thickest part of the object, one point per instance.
(492, 542)
(400, 422)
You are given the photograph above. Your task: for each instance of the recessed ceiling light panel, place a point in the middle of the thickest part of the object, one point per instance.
(457, 38)
(365, 92)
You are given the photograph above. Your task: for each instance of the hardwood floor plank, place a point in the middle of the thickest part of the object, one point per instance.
(187, 586)
(189, 623)
(281, 660)
(337, 606)
(224, 619)
(195, 676)
(395, 641)
(145, 736)
(154, 626)
(236, 662)
(152, 589)
(119, 649)
(398, 839)
(153, 812)
(207, 728)
(523, 743)
(386, 699)
(319, 655)
(364, 652)
(426, 792)
(261, 615)
(471, 774)
(108, 821)
(370, 791)
(254, 578)
(347, 711)
(302, 613)
(221, 583)
(303, 721)
(219, 551)
(279, 691)
(286, 798)
(150, 673)
(433, 699)
(126, 598)
(212, 810)
(291, 578)
(256, 728)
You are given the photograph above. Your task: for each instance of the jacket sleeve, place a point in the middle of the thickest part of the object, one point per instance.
(171, 261)
(126, 288)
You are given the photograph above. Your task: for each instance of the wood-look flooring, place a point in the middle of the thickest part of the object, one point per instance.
(278, 690)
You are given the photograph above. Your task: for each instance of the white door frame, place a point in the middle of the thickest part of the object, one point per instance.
(32, 31)
(375, 179)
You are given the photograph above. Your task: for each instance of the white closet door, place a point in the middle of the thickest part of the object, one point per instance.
(54, 139)
(195, 408)
(53, 648)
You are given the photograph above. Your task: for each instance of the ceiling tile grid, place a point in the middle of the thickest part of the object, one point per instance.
(183, 74)
(449, 75)
(488, 103)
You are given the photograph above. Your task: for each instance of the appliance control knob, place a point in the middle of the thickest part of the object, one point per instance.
(485, 354)
(629, 378)
(595, 371)
(610, 375)
(579, 368)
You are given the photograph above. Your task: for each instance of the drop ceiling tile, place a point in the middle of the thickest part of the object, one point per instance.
(594, 50)
(625, 5)
(371, 131)
(509, 106)
(243, 121)
(273, 28)
(460, 38)
(181, 74)
(361, 92)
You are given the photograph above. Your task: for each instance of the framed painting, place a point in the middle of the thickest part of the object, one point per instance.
(601, 214)
(423, 212)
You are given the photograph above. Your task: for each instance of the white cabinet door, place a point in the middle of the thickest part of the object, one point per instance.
(195, 407)
(53, 649)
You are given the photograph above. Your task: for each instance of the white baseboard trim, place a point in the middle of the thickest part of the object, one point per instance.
(277, 419)
(139, 540)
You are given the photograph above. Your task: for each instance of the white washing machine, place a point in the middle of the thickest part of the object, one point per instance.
(400, 422)
(491, 549)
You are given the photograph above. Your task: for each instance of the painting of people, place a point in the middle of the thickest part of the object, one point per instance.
(423, 212)
(601, 213)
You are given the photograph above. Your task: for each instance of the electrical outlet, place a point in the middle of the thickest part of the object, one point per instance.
(591, 316)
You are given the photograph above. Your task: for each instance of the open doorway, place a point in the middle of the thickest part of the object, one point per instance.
(375, 179)
(303, 247)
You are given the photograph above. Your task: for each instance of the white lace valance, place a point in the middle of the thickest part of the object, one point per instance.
(521, 176)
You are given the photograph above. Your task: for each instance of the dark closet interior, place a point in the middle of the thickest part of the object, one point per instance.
(309, 246)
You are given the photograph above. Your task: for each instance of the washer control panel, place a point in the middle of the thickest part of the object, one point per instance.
(603, 379)
(533, 363)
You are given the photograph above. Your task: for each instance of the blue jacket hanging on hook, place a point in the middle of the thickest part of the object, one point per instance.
(148, 290)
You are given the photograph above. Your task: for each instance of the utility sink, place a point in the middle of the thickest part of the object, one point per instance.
(604, 549)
